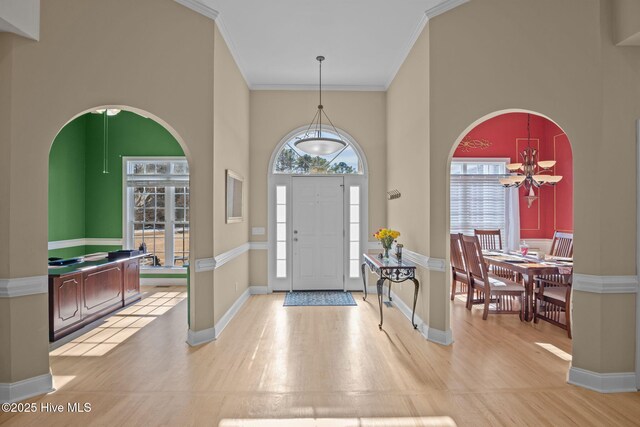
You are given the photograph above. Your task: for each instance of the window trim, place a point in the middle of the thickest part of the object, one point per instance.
(127, 210)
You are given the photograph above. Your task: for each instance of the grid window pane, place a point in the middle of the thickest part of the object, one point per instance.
(282, 250)
(281, 234)
(354, 195)
(354, 250)
(281, 268)
(281, 195)
(159, 228)
(281, 215)
(354, 213)
(354, 268)
(354, 232)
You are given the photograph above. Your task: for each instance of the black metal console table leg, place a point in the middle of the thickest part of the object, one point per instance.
(380, 289)
(415, 299)
(364, 281)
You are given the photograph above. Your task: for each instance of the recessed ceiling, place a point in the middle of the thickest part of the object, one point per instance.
(275, 43)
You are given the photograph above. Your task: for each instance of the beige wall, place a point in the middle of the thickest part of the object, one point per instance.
(407, 163)
(6, 56)
(627, 22)
(480, 63)
(231, 151)
(276, 113)
(160, 60)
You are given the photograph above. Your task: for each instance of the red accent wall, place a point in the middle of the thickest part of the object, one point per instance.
(507, 134)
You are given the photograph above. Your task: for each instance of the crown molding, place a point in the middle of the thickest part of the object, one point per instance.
(404, 52)
(431, 13)
(327, 88)
(443, 7)
(200, 8)
(233, 50)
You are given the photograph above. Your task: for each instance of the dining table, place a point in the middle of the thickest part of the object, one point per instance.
(529, 267)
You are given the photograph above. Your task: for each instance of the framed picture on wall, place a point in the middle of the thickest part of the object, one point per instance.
(234, 197)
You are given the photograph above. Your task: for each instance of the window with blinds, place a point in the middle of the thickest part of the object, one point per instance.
(477, 198)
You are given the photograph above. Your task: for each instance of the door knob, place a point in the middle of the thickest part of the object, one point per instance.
(295, 231)
(295, 239)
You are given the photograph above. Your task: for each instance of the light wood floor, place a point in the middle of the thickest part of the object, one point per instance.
(331, 366)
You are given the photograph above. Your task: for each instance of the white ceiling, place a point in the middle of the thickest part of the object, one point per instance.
(275, 43)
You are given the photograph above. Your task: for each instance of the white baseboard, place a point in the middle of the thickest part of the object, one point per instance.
(438, 336)
(617, 382)
(233, 310)
(434, 335)
(259, 290)
(163, 281)
(195, 338)
(21, 390)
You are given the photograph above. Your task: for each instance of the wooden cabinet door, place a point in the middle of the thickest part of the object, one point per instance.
(65, 301)
(131, 280)
(102, 290)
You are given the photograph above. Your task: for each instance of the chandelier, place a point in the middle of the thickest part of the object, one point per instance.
(533, 173)
(313, 142)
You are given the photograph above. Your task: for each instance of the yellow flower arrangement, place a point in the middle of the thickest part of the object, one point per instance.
(386, 236)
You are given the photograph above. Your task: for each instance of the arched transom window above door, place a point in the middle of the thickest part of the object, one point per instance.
(291, 160)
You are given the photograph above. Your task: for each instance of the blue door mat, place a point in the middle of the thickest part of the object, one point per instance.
(318, 298)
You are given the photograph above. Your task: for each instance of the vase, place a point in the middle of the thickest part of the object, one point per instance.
(386, 253)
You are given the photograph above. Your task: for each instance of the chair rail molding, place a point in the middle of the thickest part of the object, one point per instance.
(259, 246)
(605, 284)
(86, 241)
(225, 257)
(430, 263)
(23, 286)
(205, 264)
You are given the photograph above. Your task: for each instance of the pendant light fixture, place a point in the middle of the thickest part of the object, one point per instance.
(313, 141)
(106, 113)
(533, 171)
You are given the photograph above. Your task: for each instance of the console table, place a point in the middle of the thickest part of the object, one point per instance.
(395, 272)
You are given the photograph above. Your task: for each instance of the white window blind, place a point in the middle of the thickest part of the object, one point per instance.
(477, 198)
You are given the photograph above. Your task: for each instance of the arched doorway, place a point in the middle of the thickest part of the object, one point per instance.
(118, 179)
(530, 216)
(316, 247)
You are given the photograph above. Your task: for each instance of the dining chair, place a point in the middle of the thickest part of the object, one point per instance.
(500, 291)
(459, 272)
(552, 301)
(562, 245)
(489, 239)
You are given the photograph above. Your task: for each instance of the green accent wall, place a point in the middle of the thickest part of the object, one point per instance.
(84, 202)
(67, 182)
(129, 135)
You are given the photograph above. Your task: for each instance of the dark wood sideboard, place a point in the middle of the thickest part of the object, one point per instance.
(82, 293)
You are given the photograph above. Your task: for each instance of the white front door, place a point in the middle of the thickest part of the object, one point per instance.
(318, 233)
